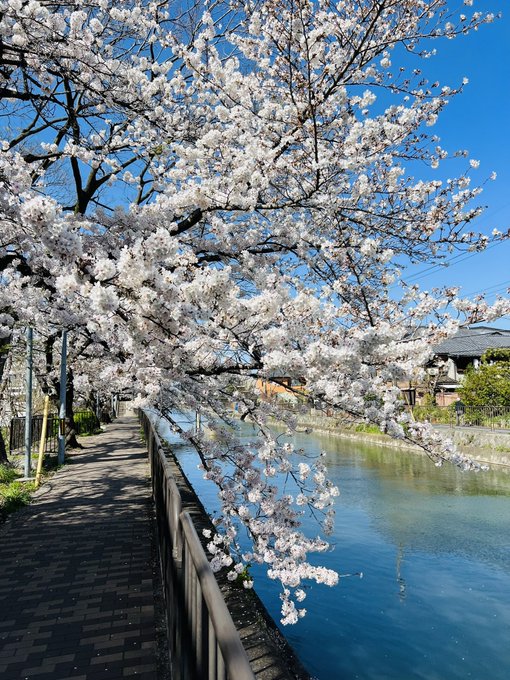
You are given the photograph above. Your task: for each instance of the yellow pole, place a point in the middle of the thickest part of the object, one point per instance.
(42, 443)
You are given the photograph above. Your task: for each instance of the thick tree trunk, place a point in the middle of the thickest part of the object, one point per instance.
(71, 440)
(3, 450)
(52, 387)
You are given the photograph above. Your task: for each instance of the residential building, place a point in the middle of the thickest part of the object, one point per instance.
(456, 354)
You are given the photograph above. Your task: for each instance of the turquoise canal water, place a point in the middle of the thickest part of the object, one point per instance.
(434, 547)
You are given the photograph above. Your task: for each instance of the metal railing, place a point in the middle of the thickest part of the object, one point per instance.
(204, 643)
(492, 417)
(17, 433)
(85, 422)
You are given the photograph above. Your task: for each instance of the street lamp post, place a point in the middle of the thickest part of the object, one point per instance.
(28, 402)
(409, 394)
(62, 412)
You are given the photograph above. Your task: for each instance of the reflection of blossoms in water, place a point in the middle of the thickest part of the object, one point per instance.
(270, 515)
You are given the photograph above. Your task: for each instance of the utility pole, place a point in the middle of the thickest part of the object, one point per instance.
(63, 390)
(28, 402)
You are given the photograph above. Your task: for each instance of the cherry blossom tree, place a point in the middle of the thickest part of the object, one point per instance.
(208, 195)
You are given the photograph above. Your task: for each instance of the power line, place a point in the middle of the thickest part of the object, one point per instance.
(500, 287)
(456, 259)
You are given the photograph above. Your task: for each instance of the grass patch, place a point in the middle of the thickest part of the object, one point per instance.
(7, 474)
(367, 427)
(13, 493)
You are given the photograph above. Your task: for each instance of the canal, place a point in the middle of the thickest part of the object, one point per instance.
(434, 547)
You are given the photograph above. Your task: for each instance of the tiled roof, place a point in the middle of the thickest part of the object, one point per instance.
(473, 342)
(445, 381)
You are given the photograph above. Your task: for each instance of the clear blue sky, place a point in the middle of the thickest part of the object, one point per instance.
(479, 121)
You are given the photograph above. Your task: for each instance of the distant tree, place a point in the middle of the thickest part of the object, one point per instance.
(488, 385)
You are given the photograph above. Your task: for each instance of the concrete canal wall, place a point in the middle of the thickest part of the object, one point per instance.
(481, 444)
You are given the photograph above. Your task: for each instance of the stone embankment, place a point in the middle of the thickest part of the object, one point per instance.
(481, 444)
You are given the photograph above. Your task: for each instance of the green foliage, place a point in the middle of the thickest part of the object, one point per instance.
(244, 576)
(428, 400)
(434, 414)
(372, 399)
(7, 474)
(488, 385)
(86, 422)
(496, 354)
(367, 427)
(13, 494)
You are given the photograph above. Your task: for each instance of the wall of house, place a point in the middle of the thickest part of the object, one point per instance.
(446, 398)
(270, 389)
(451, 369)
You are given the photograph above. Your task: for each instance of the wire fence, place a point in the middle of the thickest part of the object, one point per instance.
(85, 423)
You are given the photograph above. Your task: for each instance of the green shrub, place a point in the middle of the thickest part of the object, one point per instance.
(434, 414)
(86, 422)
(489, 385)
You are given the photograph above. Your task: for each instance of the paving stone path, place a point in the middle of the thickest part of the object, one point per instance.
(77, 569)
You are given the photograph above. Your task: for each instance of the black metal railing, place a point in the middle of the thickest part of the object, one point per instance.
(85, 422)
(492, 417)
(204, 642)
(17, 433)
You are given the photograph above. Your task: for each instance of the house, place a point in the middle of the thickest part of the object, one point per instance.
(281, 387)
(455, 355)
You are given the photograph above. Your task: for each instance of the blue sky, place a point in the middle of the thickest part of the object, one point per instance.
(479, 121)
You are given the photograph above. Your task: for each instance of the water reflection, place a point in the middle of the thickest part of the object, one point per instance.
(413, 469)
(400, 580)
(414, 503)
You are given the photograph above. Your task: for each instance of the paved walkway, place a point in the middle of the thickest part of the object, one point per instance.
(76, 570)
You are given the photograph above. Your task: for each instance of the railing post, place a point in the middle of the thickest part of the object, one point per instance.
(211, 651)
(63, 410)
